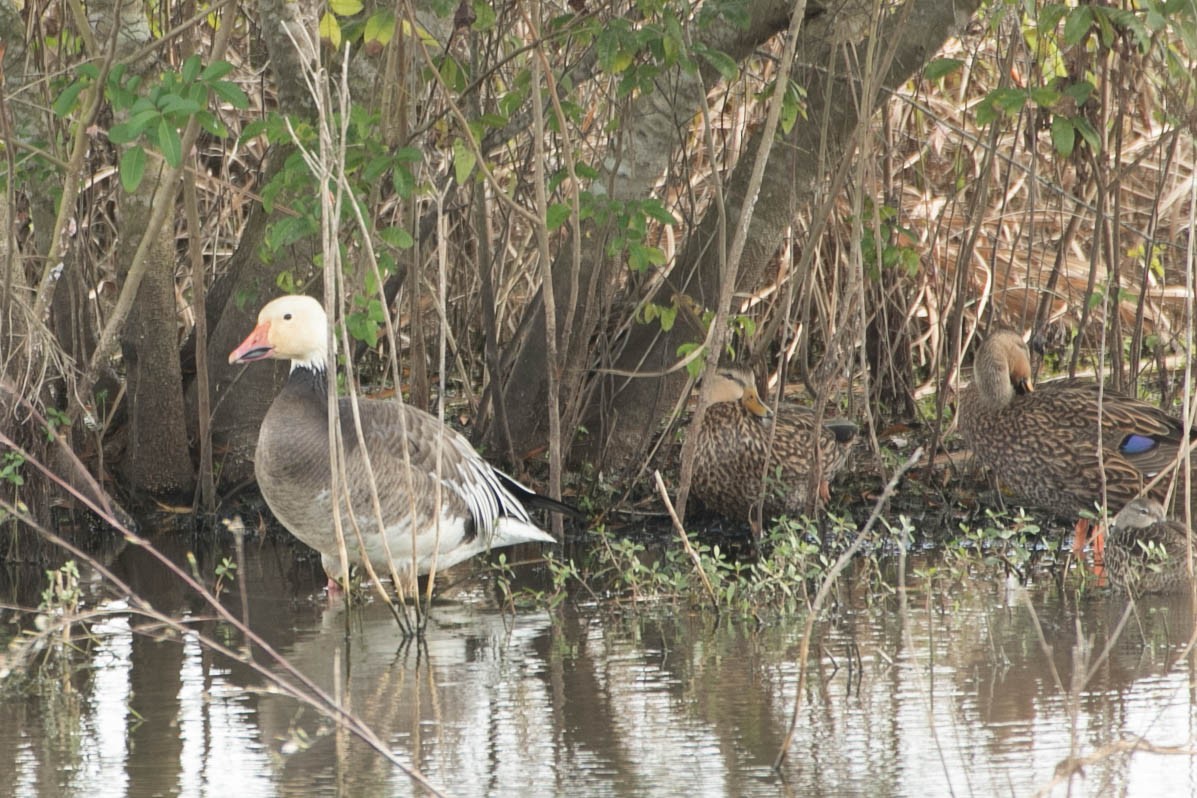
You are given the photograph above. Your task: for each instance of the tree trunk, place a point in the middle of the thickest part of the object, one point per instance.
(242, 395)
(655, 128)
(634, 407)
(156, 458)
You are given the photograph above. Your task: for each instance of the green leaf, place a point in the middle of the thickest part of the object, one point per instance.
(463, 161)
(174, 104)
(723, 63)
(557, 215)
(215, 71)
(345, 8)
(330, 30)
(656, 211)
(403, 181)
(1010, 100)
(132, 168)
(493, 120)
(231, 93)
(1050, 15)
(1088, 133)
(122, 133)
(484, 16)
(1077, 25)
(380, 27)
(252, 130)
(208, 121)
(170, 144)
(1079, 92)
(191, 69)
(941, 67)
(694, 367)
(397, 237)
(408, 155)
(640, 257)
(65, 103)
(362, 328)
(1044, 97)
(375, 168)
(668, 316)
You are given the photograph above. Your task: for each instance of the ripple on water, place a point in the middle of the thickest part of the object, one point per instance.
(972, 689)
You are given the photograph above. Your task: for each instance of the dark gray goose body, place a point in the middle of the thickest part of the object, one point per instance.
(440, 506)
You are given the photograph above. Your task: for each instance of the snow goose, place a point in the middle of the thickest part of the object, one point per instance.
(476, 508)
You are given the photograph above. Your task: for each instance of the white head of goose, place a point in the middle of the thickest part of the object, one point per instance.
(431, 518)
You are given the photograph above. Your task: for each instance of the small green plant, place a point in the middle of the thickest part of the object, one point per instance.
(62, 595)
(1005, 540)
(226, 570)
(156, 117)
(10, 468)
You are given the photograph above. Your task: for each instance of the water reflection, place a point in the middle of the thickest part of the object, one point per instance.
(978, 687)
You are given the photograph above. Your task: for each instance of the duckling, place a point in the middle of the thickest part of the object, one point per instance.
(1055, 446)
(1147, 552)
(733, 446)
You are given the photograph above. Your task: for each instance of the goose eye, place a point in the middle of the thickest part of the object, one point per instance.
(286, 317)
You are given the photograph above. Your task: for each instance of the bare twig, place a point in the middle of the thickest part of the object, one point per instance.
(681, 533)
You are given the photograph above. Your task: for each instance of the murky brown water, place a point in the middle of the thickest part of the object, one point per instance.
(974, 688)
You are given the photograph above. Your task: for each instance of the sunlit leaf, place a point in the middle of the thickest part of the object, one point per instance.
(330, 30)
(380, 27)
(344, 8)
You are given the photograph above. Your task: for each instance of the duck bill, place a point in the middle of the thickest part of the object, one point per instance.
(256, 347)
(753, 404)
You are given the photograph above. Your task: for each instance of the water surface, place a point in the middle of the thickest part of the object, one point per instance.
(976, 686)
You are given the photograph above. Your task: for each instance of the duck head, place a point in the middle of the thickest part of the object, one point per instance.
(1002, 368)
(1140, 513)
(737, 385)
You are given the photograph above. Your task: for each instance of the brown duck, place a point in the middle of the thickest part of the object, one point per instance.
(1050, 446)
(733, 446)
(439, 506)
(1147, 552)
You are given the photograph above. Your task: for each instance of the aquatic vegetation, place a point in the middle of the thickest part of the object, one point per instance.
(776, 576)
